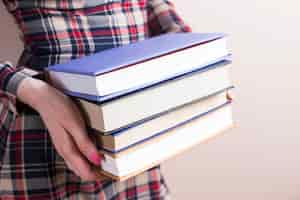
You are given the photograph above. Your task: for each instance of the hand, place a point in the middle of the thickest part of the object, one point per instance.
(65, 125)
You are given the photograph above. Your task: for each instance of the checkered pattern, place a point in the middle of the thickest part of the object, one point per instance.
(56, 31)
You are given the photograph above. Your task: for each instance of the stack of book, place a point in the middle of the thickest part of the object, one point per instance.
(151, 100)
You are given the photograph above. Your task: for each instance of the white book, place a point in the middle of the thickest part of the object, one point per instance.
(127, 138)
(119, 113)
(143, 157)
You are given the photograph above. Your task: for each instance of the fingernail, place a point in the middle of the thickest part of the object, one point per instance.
(96, 158)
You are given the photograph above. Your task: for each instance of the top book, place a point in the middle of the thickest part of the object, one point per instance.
(136, 65)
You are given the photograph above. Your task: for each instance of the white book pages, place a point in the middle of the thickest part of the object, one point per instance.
(132, 108)
(168, 145)
(162, 123)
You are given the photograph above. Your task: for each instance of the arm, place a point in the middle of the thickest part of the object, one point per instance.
(60, 115)
(163, 18)
(65, 124)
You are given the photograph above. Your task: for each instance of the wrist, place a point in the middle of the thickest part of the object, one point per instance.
(31, 92)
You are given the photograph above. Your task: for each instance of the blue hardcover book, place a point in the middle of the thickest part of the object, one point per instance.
(116, 95)
(138, 64)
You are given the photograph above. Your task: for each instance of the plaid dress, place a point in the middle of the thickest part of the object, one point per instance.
(56, 31)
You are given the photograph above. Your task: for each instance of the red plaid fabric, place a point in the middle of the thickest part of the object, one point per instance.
(56, 32)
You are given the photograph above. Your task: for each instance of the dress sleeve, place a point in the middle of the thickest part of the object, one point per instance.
(163, 18)
(10, 78)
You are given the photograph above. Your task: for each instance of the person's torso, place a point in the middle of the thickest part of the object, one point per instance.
(55, 31)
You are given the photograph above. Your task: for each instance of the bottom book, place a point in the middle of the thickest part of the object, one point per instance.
(145, 156)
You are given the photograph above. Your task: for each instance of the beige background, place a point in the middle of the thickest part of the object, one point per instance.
(260, 159)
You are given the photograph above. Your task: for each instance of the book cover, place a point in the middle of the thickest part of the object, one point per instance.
(105, 61)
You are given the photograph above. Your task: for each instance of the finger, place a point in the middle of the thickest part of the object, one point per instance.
(66, 147)
(71, 167)
(84, 143)
(76, 160)
(80, 165)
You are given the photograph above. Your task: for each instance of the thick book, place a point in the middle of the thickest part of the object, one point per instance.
(138, 64)
(140, 133)
(186, 135)
(120, 113)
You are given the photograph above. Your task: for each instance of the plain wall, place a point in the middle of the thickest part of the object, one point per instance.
(259, 159)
